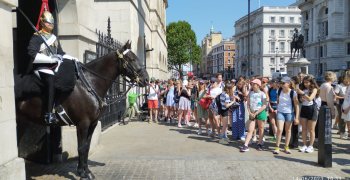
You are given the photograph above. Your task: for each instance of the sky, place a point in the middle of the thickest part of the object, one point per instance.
(222, 14)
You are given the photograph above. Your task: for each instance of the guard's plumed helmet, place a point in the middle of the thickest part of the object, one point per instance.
(46, 16)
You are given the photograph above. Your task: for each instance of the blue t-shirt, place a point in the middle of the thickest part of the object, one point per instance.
(273, 95)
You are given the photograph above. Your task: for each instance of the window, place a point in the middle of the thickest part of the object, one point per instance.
(273, 19)
(272, 61)
(281, 19)
(282, 70)
(272, 70)
(321, 51)
(272, 47)
(348, 64)
(282, 60)
(306, 16)
(306, 35)
(348, 49)
(229, 54)
(282, 47)
(272, 33)
(281, 33)
(291, 20)
(229, 47)
(291, 32)
(326, 11)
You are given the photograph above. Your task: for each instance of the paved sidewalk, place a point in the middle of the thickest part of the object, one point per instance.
(161, 151)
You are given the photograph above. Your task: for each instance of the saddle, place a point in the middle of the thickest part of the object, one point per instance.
(29, 85)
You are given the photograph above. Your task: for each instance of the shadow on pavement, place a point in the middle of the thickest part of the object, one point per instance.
(67, 169)
(312, 163)
(342, 162)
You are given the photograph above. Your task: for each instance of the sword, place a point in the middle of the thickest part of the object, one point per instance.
(31, 24)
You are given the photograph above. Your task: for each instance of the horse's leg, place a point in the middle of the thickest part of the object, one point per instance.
(86, 154)
(82, 134)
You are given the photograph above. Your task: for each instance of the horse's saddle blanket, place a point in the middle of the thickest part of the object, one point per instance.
(30, 85)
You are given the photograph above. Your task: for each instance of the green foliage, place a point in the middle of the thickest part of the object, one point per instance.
(182, 47)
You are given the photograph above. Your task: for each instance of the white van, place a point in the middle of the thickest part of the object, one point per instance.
(279, 75)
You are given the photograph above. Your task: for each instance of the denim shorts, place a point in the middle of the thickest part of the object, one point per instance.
(285, 117)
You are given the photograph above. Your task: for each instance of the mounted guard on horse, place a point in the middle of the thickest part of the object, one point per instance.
(46, 59)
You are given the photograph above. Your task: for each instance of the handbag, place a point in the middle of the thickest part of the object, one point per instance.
(205, 103)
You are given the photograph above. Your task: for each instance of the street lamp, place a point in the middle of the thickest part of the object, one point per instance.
(319, 55)
(249, 63)
(276, 59)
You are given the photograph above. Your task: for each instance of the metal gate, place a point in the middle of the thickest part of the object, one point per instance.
(113, 113)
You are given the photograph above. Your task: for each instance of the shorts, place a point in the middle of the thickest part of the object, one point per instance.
(288, 117)
(262, 116)
(223, 113)
(152, 104)
(307, 112)
(273, 106)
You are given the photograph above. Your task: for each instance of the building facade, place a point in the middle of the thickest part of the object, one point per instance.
(326, 27)
(11, 166)
(270, 37)
(221, 59)
(210, 40)
(143, 22)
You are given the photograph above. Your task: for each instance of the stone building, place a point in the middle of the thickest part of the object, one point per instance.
(222, 59)
(326, 27)
(210, 40)
(11, 167)
(271, 33)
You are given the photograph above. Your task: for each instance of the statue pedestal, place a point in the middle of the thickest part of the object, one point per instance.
(297, 65)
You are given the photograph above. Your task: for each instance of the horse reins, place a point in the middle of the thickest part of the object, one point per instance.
(125, 65)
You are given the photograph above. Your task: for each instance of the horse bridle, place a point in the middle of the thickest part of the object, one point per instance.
(126, 65)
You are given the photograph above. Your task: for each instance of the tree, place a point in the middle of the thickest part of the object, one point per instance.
(182, 47)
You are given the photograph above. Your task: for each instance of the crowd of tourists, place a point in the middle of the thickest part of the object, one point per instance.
(288, 106)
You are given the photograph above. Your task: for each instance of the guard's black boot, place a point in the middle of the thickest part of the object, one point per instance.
(51, 119)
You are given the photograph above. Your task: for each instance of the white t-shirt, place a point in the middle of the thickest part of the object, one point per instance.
(306, 102)
(215, 91)
(285, 103)
(152, 93)
(256, 100)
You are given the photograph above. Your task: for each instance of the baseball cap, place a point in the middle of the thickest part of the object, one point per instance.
(213, 79)
(256, 81)
(286, 79)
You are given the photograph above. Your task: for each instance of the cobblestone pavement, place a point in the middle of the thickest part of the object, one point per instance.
(161, 151)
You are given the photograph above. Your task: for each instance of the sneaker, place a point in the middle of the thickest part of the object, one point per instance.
(303, 149)
(195, 125)
(287, 150)
(179, 126)
(260, 147)
(335, 126)
(243, 138)
(209, 132)
(244, 149)
(199, 132)
(309, 149)
(263, 139)
(224, 141)
(276, 151)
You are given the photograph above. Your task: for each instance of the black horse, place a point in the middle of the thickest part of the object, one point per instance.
(84, 107)
(298, 46)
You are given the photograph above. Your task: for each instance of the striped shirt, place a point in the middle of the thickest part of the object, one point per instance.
(224, 98)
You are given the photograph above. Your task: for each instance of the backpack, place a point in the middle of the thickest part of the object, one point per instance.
(218, 103)
(291, 95)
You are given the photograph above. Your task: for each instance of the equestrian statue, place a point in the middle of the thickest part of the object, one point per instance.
(297, 45)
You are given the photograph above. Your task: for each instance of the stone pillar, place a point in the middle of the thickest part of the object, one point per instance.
(11, 167)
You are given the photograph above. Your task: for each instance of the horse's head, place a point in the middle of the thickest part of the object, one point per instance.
(132, 66)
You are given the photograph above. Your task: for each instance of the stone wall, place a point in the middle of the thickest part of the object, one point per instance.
(11, 167)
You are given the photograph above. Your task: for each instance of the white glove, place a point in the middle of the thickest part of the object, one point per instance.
(57, 57)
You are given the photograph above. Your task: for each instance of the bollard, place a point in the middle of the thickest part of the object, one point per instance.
(325, 137)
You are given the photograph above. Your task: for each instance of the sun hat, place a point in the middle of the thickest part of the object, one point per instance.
(256, 81)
